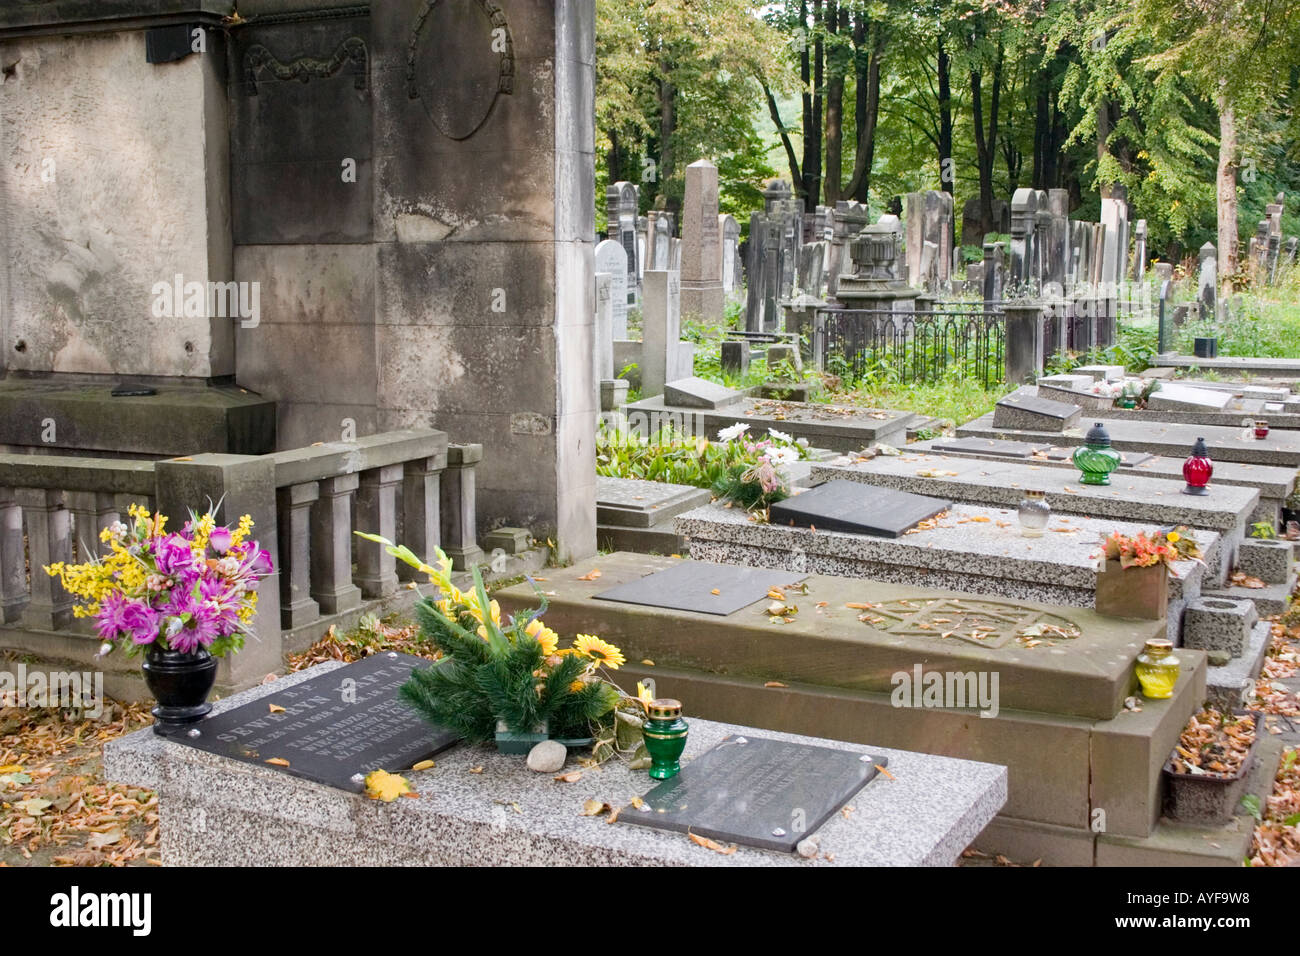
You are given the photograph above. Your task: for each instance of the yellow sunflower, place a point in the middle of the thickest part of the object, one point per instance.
(589, 645)
(543, 635)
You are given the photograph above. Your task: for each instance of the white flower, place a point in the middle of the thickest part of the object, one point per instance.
(779, 436)
(782, 456)
(733, 431)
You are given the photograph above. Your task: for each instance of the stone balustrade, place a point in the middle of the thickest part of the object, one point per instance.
(305, 504)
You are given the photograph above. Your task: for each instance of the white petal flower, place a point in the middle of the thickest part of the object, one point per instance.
(733, 431)
(780, 436)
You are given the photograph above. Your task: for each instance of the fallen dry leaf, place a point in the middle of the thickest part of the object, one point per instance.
(276, 709)
(885, 772)
(424, 765)
(590, 575)
(278, 762)
(385, 786)
(775, 683)
(572, 777)
(594, 808)
(711, 844)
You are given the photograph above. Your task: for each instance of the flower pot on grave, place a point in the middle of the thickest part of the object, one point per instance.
(1208, 798)
(1140, 593)
(518, 744)
(180, 682)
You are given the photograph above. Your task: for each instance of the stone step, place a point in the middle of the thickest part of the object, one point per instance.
(1227, 685)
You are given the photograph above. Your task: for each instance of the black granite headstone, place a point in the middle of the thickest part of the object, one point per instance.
(690, 586)
(756, 791)
(856, 508)
(333, 727)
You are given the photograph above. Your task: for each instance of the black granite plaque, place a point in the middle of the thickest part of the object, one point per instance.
(756, 791)
(689, 586)
(333, 727)
(856, 508)
(988, 446)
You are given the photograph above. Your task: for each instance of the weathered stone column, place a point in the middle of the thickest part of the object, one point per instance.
(92, 512)
(377, 514)
(49, 539)
(459, 506)
(243, 486)
(294, 506)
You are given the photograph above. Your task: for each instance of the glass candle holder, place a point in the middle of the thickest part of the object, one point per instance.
(1157, 669)
(1261, 429)
(1095, 459)
(665, 737)
(1034, 514)
(1198, 470)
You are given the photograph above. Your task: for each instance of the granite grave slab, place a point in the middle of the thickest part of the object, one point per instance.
(969, 548)
(1166, 439)
(697, 392)
(332, 729)
(837, 427)
(852, 507)
(1024, 411)
(756, 791)
(253, 816)
(636, 503)
(701, 586)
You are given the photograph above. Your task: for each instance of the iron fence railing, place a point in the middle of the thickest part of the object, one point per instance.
(916, 346)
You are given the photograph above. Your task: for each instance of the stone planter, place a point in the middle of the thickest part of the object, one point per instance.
(1208, 798)
(1141, 593)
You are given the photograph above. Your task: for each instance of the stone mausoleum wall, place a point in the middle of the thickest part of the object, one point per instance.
(408, 183)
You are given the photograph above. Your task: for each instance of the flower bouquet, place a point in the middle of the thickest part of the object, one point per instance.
(1134, 580)
(181, 598)
(505, 680)
(759, 477)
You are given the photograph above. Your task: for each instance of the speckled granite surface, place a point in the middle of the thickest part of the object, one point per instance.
(1129, 497)
(216, 811)
(972, 549)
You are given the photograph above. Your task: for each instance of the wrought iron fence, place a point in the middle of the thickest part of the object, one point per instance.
(918, 346)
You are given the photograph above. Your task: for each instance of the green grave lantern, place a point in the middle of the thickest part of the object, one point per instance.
(1095, 459)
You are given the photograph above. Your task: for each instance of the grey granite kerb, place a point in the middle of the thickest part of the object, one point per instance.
(477, 807)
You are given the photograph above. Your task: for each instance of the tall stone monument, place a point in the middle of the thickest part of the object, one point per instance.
(701, 243)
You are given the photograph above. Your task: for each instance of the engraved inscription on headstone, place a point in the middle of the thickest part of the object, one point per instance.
(756, 791)
(333, 727)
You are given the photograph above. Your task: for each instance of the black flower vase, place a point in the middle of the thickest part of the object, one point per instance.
(180, 682)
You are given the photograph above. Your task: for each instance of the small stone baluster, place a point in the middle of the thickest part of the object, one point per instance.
(293, 516)
(421, 528)
(13, 561)
(377, 514)
(49, 539)
(331, 553)
(92, 512)
(458, 507)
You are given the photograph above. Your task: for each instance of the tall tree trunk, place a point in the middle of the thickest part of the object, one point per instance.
(812, 72)
(667, 127)
(986, 143)
(792, 161)
(837, 66)
(945, 118)
(1227, 195)
(866, 105)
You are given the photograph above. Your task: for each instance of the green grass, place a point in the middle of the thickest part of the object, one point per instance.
(957, 400)
(1264, 322)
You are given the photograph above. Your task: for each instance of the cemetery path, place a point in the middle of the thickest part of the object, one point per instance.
(55, 807)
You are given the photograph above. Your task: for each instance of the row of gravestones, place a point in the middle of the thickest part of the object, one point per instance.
(1266, 249)
(706, 256)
